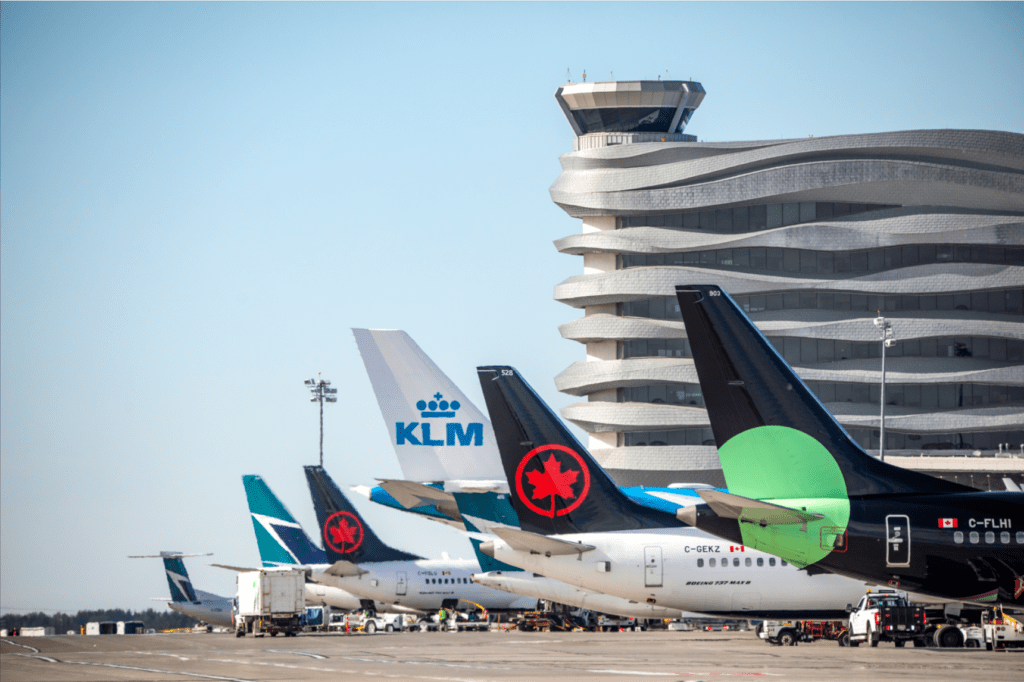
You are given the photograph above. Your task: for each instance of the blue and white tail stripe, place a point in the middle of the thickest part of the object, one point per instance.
(279, 537)
(177, 578)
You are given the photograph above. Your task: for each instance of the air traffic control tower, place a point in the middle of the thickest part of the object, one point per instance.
(812, 236)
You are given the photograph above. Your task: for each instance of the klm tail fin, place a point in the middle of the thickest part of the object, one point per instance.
(775, 439)
(280, 538)
(177, 578)
(437, 433)
(556, 486)
(346, 536)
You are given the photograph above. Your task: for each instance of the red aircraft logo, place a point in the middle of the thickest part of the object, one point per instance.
(1018, 587)
(343, 532)
(561, 476)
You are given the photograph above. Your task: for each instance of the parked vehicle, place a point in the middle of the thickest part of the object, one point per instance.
(270, 601)
(887, 615)
(1001, 631)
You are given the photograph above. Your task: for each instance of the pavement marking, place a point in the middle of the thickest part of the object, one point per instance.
(41, 658)
(23, 646)
(297, 653)
(345, 671)
(154, 670)
(632, 672)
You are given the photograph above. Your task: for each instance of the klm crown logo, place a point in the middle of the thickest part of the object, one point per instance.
(438, 407)
(455, 433)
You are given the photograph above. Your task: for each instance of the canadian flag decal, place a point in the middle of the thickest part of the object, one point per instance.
(947, 523)
(734, 548)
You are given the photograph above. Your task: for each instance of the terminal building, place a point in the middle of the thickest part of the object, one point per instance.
(814, 238)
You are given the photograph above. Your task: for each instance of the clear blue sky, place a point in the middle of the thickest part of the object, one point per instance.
(200, 200)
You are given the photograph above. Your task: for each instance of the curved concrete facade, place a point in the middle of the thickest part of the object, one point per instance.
(811, 236)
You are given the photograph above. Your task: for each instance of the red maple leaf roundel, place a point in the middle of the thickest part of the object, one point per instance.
(558, 478)
(343, 532)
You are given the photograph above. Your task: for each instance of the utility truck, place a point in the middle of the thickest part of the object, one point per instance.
(887, 615)
(1001, 631)
(270, 601)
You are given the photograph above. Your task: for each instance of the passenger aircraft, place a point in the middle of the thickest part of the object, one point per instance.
(578, 527)
(208, 608)
(283, 544)
(450, 447)
(362, 564)
(802, 489)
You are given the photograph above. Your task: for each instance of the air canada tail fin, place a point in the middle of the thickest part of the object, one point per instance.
(280, 538)
(555, 485)
(437, 433)
(775, 439)
(346, 536)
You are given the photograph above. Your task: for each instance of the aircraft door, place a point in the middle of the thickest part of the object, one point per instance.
(652, 567)
(897, 540)
(400, 584)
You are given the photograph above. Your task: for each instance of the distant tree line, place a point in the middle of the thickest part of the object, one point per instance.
(62, 622)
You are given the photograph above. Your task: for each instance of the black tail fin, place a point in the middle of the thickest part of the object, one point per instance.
(556, 486)
(747, 385)
(346, 536)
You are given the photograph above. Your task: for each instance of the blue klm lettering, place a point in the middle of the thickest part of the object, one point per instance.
(472, 434)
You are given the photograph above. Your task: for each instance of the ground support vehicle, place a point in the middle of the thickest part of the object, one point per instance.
(887, 615)
(615, 623)
(270, 601)
(371, 622)
(1001, 631)
(317, 618)
(790, 633)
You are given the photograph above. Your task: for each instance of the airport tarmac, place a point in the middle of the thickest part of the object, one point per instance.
(484, 657)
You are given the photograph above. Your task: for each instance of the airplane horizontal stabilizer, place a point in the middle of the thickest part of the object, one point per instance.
(344, 569)
(240, 569)
(524, 541)
(757, 512)
(411, 494)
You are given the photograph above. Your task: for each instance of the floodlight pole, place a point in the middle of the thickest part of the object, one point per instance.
(888, 339)
(320, 390)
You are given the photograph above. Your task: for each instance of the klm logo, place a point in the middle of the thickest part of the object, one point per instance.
(416, 433)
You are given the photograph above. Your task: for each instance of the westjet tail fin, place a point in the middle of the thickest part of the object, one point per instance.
(346, 536)
(177, 577)
(556, 486)
(437, 433)
(775, 439)
(280, 538)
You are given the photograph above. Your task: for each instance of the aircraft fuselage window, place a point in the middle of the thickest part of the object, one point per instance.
(748, 562)
(1020, 537)
(771, 561)
(760, 561)
(711, 563)
(700, 563)
(736, 561)
(958, 537)
(975, 537)
(1004, 537)
(990, 537)
(784, 562)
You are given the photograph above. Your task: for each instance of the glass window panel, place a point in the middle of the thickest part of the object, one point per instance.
(700, 562)
(741, 219)
(691, 221)
(962, 301)
(808, 262)
(823, 210)
(843, 262)
(711, 562)
(808, 350)
(841, 209)
(707, 220)
(844, 350)
(944, 302)
(758, 217)
(908, 255)
(741, 258)
(792, 351)
(943, 253)
(990, 537)
(962, 254)
(858, 302)
(843, 302)
(790, 214)
(775, 260)
(1015, 301)
(958, 537)
(893, 258)
(774, 215)
(760, 561)
(774, 301)
(724, 257)
(707, 257)
(826, 301)
(859, 261)
(808, 300)
(771, 559)
(997, 349)
(758, 304)
(974, 537)
(790, 260)
(758, 259)
(910, 303)
(691, 258)
(723, 220)
(1004, 537)
(929, 396)
(807, 211)
(947, 397)
(996, 302)
(828, 393)
(927, 302)
(791, 300)
(826, 263)
(912, 395)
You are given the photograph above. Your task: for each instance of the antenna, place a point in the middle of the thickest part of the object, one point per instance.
(584, 75)
(568, 76)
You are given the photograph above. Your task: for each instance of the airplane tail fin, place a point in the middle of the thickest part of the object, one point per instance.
(346, 536)
(177, 578)
(280, 538)
(485, 511)
(437, 433)
(555, 485)
(775, 439)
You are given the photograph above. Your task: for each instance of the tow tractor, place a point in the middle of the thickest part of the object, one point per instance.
(1001, 631)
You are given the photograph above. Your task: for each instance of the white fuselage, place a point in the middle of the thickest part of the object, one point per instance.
(423, 585)
(691, 571)
(539, 586)
(208, 608)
